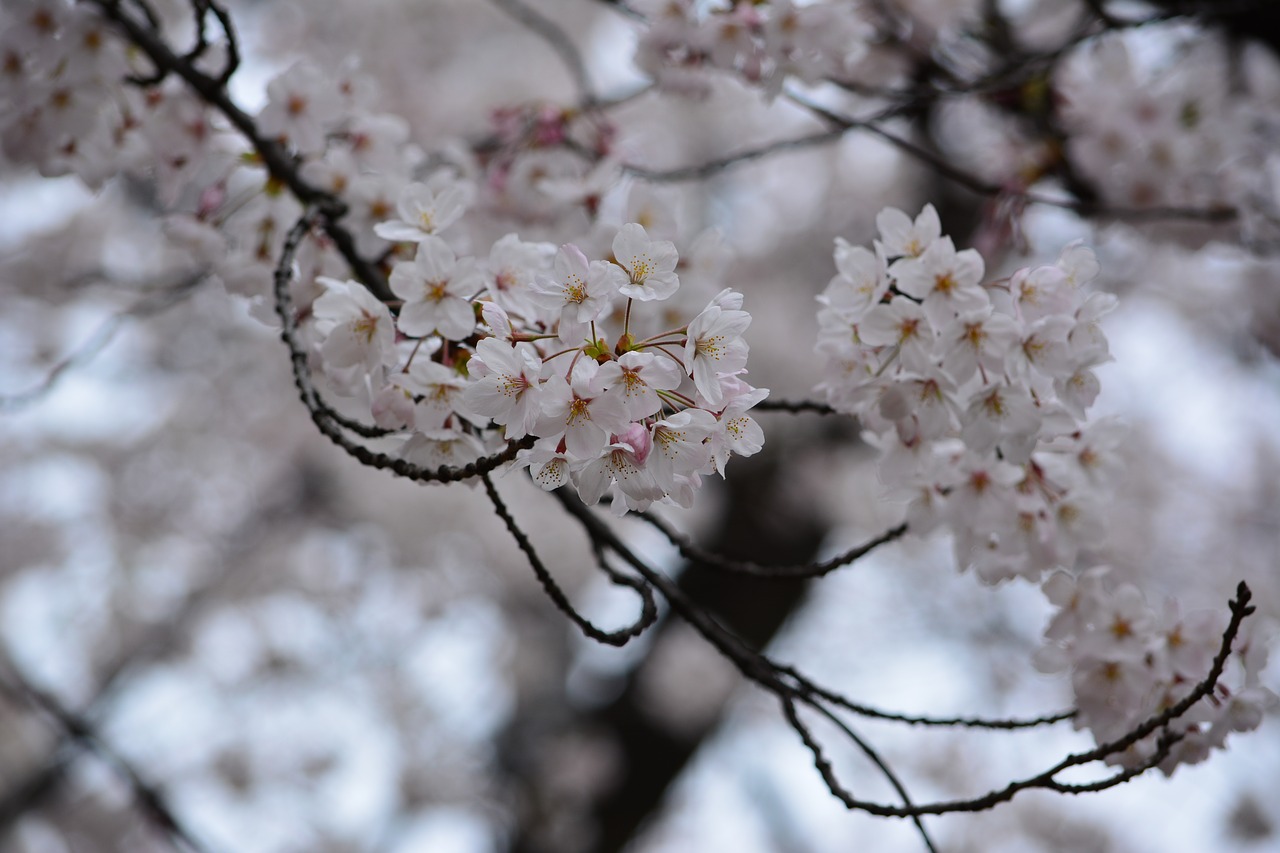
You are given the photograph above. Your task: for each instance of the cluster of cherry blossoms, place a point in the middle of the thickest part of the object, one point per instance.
(1129, 663)
(764, 43)
(976, 392)
(1184, 134)
(74, 100)
(548, 343)
(62, 107)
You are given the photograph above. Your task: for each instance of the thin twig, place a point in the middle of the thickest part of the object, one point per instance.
(648, 607)
(796, 571)
(793, 717)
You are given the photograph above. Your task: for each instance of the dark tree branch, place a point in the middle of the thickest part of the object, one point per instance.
(322, 415)
(758, 668)
(1046, 780)
(795, 407)
(648, 607)
(790, 711)
(700, 557)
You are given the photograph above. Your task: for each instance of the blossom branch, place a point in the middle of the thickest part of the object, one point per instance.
(1046, 780)
(323, 416)
(279, 164)
(768, 675)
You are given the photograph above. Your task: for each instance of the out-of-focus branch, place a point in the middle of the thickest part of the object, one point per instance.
(795, 407)
(844, 125)
(985, 188)
(148, 306)
(149, 799)
(623, 9)
(710, 168)
(559, 41)
(256, 524)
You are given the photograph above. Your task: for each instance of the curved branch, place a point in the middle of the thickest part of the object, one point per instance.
(872, 755)
(764, 672)
(793, 717)
(648, 607)
(1239, 610)
(806, 687)
(323, 416)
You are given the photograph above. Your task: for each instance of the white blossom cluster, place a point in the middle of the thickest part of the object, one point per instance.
(1129, 662)
(327, 120)
(539, 341)
(764, 43)
(975, 391)
(62, 107)
(74, 100)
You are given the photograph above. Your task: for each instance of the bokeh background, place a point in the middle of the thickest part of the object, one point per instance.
(303, 654)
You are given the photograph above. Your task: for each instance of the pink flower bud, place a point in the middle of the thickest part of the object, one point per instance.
(637, 436)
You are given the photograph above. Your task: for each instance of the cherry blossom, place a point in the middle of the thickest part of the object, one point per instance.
(301, 107)
(650, 264)
(357, 328)
(508, 388)
(715, 345)
(437, 290)
(426, 209)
